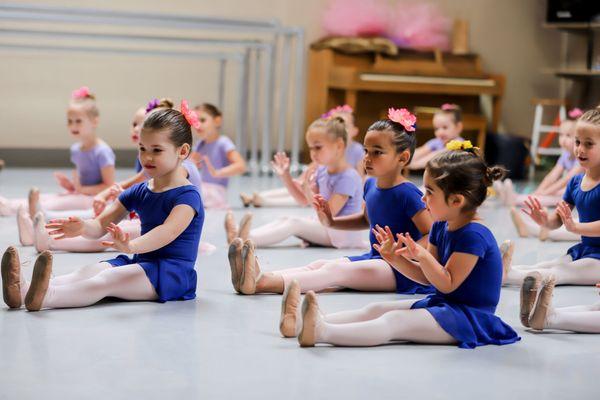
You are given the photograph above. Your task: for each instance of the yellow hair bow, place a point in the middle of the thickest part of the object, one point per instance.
(455, 145)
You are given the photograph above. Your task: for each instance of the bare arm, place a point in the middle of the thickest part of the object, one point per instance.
(178, 220)
(354, 222)
(561, 183)
(422, 155)
(552, 177)
(237, 165)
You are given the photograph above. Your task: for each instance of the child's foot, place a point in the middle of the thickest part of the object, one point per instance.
(230, 229)
(507, 249)
(41, 238)
(540, 312)
(288, 320)
(25, 226)
(246, 199)
(245, 225)
(11, 278)
(256, 200)
(250, 269)
(529, 292)
(40, 281)
(519, 223)
(310, 317)
(34, 201)
(235, 262)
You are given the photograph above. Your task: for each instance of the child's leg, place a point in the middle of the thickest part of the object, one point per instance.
(278, 201)
(369, 312)
(563, 235)
(544, 264)
(367, 275)
(417, 326)
(83, 214)
(128, 282)
(311, 267)
(584, 319)
(585, 271)
(81, 274)
(62, 202)
(307, 229)
(11, 206)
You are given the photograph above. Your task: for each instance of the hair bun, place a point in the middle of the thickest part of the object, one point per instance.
(166, 103)
(495, 173)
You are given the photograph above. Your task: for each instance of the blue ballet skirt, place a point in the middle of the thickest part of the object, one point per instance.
(467, 313)
(588, 207)
(395, 208)
(469, 326)
(170, 269)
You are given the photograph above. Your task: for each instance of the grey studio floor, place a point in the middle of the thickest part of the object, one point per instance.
(223, 345)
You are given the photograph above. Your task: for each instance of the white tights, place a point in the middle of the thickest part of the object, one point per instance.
(49, 202)
(276, 198)
(558, 235)
(282, 228)
(584, 319)
(92, 283)
(368, 275)
(381, 323)
(585, 271)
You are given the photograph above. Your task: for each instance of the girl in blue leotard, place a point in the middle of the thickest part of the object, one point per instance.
(171, 214)
(462, 261)
(581, 264)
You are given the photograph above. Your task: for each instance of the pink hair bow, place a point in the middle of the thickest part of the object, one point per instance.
(80, 93)
(403, 117)
(339, 109)
(575, 113)
(190, 115)
(448, 107)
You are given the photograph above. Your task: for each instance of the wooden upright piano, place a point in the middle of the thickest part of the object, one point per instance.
(371, 83)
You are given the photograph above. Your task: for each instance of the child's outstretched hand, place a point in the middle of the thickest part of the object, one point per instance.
(564, 212)
(65, 228)
(208, 165)
(321, 206)
(281, 163)
(387, 246)
(411, 250)
(64, 182)
(120, 239)
(535, 211)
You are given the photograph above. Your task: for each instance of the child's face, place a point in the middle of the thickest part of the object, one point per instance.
(445, 128)
(381, 157)
(323, 148)
(587, 139)
(136, 124)
(158, 155)
(208, 124)
(435, 200)
(349, 123)
(80, 124)
(566, 135)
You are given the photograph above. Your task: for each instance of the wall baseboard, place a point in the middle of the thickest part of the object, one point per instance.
(55, 158)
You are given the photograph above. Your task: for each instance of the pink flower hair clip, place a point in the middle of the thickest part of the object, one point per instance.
(575, 113)
(80, 93)
(448, 107)
(339, 109)
(403, 117)
(190, 115)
